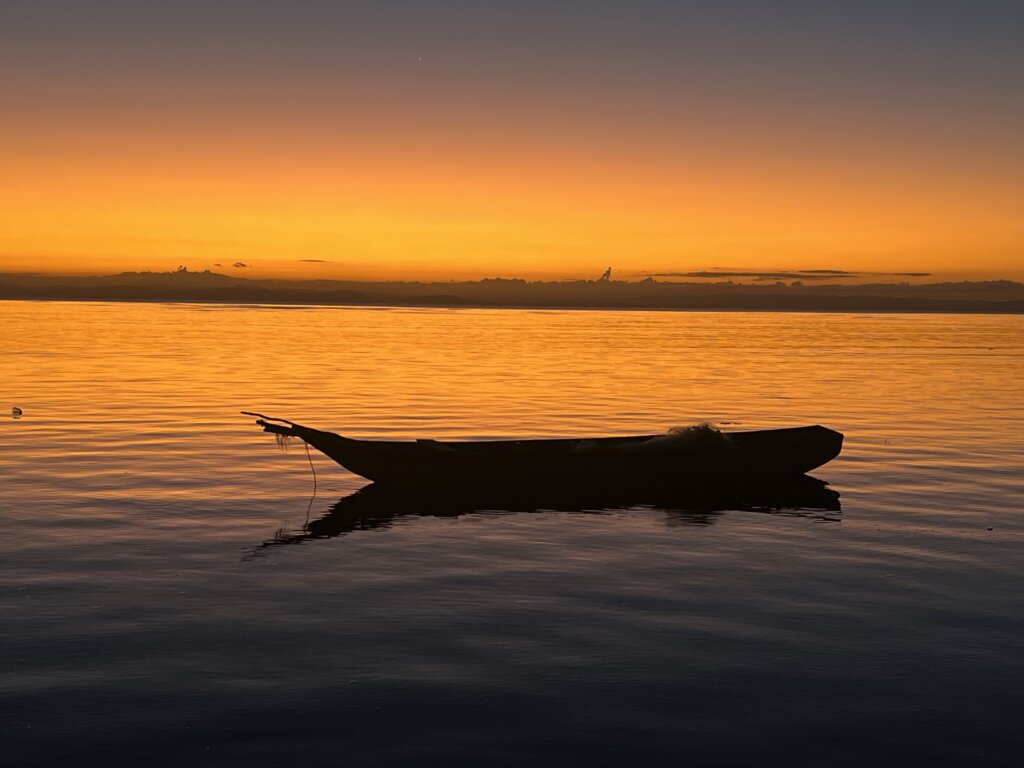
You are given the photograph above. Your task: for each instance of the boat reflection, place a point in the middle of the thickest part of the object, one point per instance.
(381, 506)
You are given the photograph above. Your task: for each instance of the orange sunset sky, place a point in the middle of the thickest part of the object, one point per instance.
(446, 140)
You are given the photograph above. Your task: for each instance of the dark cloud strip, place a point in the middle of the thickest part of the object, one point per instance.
(798, 274)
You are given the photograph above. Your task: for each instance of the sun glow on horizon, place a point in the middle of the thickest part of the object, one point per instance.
(383, 166)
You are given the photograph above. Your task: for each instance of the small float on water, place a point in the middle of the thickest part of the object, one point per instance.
(689, 454)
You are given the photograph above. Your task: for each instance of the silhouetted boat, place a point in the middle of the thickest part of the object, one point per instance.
(691, 454)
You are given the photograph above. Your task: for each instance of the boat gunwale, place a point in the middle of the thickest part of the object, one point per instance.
(296, 430)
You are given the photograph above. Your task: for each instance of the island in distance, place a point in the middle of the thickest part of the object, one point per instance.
(694, 291)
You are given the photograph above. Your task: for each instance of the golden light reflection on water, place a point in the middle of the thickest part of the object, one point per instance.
(143, 399)
(134, 496)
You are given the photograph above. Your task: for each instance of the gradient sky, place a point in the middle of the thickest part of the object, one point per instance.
(465, 139)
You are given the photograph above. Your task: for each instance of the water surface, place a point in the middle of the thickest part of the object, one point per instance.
(145, 623)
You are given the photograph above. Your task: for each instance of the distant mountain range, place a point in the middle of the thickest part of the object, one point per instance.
(187, 286)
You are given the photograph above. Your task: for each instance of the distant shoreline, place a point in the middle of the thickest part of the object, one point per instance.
(183, 286)
(520, 307)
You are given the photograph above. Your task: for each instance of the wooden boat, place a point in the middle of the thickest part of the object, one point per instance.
(690, 454)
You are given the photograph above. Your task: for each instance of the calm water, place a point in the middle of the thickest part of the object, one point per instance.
(143, 623)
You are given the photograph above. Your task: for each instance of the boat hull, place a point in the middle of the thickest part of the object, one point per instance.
(698, 455)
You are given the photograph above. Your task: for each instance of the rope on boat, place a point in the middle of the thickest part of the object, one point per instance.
(312, 468)
(311, 498)
(280, 439)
